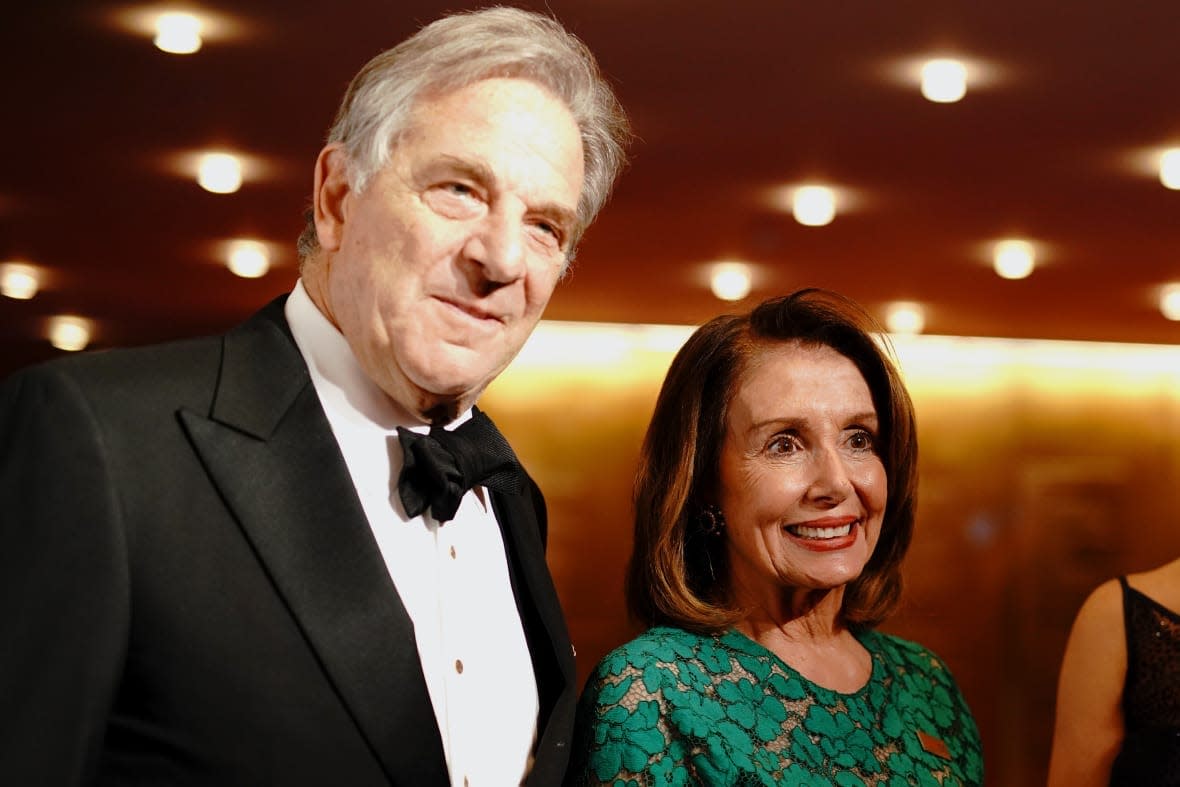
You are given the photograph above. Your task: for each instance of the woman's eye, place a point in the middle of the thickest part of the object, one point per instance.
(783, 444)
(861, 441)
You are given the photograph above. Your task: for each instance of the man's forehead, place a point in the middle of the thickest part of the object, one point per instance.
(507, 137)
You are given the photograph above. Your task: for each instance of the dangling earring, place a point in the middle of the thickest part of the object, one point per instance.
(712, 521)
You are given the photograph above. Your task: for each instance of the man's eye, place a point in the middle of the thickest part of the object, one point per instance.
(456, 200)
(550, 233)
(551, 230)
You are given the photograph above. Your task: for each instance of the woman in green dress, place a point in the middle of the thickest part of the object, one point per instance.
(774, 505)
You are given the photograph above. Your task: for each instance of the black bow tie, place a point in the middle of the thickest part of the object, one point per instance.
(438, 468)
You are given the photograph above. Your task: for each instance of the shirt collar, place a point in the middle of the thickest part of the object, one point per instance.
(339, 379)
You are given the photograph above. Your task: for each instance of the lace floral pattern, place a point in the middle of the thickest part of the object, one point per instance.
(675, 708)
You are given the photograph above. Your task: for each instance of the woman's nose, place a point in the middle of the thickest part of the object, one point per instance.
(830, 479)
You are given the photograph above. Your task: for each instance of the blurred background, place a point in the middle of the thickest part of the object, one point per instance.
(998, 182)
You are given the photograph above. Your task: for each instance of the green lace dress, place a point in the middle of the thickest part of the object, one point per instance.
(675, 708)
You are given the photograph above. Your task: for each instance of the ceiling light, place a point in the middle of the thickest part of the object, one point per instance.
(1170, 168)
(944, 80)
(814, 206)
(248, 259)
(18, 280)
(905, 317)
(1170, 301)
(223, 168)
(180, 27)
(178, 33)
(70, 333)
(1014, 259)
(731, 281)
(220, 173)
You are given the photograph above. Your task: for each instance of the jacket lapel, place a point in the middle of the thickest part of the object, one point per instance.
(540, 612)
(269, 449)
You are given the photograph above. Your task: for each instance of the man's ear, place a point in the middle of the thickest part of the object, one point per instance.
(330, 196)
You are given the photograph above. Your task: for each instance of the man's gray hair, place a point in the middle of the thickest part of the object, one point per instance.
(457, 51)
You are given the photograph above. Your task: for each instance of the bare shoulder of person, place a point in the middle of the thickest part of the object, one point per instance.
(1096, 650)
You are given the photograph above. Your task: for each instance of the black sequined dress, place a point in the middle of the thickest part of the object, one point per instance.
(1150, 756)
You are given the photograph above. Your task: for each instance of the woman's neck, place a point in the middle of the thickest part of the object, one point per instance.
(806, 631)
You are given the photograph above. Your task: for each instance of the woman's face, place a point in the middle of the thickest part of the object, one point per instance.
(803, 487)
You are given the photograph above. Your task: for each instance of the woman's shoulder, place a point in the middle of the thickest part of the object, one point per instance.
(894, 644)
(660, 644)
(659, 647)
(1101, 612)
(905, 654)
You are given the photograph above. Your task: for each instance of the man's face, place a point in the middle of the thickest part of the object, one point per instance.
(439, 270)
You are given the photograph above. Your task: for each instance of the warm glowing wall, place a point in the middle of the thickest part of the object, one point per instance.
(1046, 467)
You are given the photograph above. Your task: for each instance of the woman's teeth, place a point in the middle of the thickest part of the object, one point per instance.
(802, 531)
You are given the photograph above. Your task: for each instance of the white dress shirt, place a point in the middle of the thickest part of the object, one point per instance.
(452, 578)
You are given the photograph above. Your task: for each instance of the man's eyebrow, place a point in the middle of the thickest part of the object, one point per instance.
(476, 170)
(568, 219)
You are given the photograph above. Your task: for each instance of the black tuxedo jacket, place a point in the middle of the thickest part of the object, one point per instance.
(190, 593)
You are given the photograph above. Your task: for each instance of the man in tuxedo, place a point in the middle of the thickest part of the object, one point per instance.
(298, 554)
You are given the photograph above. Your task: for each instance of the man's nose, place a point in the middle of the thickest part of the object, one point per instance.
(497, 246)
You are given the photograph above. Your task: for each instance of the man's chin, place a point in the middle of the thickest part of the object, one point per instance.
(452, 376)
(461, 369)
(451, 392)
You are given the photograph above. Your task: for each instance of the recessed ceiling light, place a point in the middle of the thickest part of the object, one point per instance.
(68, 332)
(1014, 259)
(248, 259)
(944, 77)
(179, 27)
(905, 317)
(1170, 168)
(220, 173)
(814, 206)
(944, 80)
(19, 280)
(178, 33)
(1170, 301)
(812, 202)
(730, 281)
(222, 166)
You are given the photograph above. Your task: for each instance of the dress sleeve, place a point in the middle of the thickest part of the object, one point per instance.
(620, 736)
